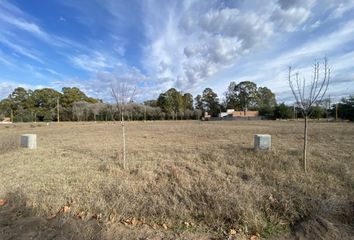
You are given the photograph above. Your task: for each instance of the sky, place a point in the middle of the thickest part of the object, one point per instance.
(189, 45)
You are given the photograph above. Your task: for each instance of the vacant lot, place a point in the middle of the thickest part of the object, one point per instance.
(185, 180)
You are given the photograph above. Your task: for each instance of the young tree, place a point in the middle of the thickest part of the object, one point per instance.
(122, 93)
(309, 94)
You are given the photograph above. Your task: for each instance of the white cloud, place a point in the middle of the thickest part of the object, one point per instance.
(341, 9)
(93, 62)
(7, 86)
(21, 50)
(188, 44)
(191, 44)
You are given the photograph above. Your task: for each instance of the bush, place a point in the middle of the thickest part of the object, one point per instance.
(283, 111)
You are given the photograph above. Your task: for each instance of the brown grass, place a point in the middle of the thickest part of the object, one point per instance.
(197, 179)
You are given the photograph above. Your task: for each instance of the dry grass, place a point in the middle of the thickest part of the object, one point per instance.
(200, 179)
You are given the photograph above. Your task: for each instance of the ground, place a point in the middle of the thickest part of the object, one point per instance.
(184, 180)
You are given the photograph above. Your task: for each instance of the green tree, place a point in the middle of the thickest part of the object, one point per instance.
(19, 97)
(199, 102)
(188, 101)
(265, 98)
(6, 106)
(165, 103)
(266, 102)
(176, 99)
(151, 103)
(283, 111)
(20, 104)
(71, 95)
(346, 108)
(246, 93)
(211, 102)
(317, 112)
(45, 103)
(171, 102)
(232, 100)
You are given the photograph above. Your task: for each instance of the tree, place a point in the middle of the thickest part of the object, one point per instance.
(309, 94)
(6, 107)
(232, 100)
(45, 103)
(283, 112)
(96, 108)
(346, 108)
(266, 102)
(317, 112)
(151, 103)
(188, 101)
(210, 102)
(165, 103)
(71, 95)
(79, 109)
(246, 93)
(172, 102)
(199, 103)
(122, 93)
(265, 98)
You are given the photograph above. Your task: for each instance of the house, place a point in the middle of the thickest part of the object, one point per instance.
(206, 116)
(231, 113)
(6, 120)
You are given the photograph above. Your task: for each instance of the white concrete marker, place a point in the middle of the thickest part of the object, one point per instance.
(262, 142)
(29, 141)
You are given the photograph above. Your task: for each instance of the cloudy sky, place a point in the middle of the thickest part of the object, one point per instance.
(188, 44)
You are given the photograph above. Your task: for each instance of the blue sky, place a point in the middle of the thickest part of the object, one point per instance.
(190, 45)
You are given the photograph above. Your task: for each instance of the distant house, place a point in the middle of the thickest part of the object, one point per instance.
(6, 120)
(206, 116)
(231, 113)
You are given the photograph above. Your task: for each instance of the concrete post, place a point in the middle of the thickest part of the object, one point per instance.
(29, 141)
(262, 142)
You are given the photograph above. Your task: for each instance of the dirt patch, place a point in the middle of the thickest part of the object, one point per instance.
(14, 226)
(319, 228)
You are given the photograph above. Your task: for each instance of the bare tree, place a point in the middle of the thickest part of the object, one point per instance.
(96, 108)
(309, 94)
(79, 109)
(122, 93)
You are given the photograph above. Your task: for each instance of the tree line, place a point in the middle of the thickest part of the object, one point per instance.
(74, 105)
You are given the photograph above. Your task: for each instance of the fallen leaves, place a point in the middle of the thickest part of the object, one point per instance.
(254, 237)
(51, 217)
(2, 202)
(132, 221)
(189, 224)
(80, 215)
(64, 209)
(112, 217)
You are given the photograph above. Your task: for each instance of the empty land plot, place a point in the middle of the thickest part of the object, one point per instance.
(184, 179)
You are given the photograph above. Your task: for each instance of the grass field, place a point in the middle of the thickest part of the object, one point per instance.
(185, 180)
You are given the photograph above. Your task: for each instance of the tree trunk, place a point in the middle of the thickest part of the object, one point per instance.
(305, 145)
(123, 135)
